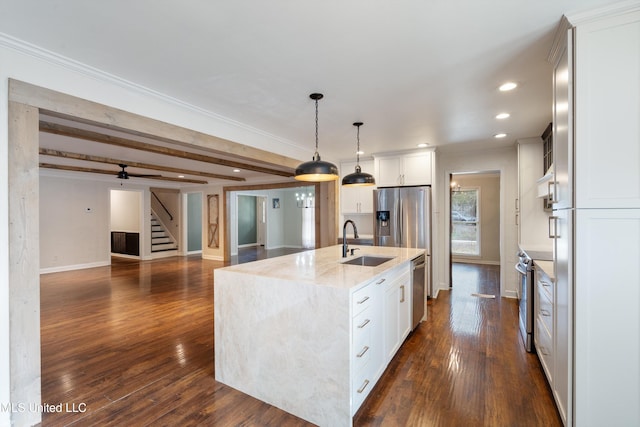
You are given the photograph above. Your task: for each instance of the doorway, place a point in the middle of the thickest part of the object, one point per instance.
(274, 219)
(261, 220)
(126, 223)
(474, 219)
(194, 222)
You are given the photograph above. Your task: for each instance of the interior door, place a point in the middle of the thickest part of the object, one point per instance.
(261, 220)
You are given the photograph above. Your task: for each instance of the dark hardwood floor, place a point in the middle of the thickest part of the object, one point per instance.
(132, 344)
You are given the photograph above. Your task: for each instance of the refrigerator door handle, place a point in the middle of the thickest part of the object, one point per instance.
(401, 219)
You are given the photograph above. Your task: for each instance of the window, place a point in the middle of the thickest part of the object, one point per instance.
(465, 226)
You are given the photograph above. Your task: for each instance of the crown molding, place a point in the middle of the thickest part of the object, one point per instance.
(39, 53)
(559, 44)
(618, 8)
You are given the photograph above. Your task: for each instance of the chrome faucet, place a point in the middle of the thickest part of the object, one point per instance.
(345, 248)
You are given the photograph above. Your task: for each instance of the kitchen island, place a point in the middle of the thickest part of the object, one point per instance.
(308, 333)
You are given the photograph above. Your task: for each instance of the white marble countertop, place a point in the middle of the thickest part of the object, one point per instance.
(324, 267)
(537, 252)
(547, 267)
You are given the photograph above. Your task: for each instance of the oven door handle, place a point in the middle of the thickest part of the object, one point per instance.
(521, 270)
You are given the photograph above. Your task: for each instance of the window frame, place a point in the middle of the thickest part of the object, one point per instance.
(477, 222)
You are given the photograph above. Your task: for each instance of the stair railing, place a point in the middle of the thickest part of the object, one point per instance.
(163, 206)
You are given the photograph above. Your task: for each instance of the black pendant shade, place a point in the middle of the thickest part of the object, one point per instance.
(358, 178)
(316, 170)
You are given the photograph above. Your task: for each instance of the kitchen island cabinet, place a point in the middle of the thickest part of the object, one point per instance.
(397, 313)
(305, 332)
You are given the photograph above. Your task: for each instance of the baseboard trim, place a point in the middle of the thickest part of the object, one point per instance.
(213, 257)
(74, 267)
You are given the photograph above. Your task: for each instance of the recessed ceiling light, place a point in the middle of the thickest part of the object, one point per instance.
(236, 170)
(500, 135)
(180, 176)
(503, 116)
(423, 145)
(508, 86)
(360, 152)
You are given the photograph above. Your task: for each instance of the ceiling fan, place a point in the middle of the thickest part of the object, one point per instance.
(123, 174)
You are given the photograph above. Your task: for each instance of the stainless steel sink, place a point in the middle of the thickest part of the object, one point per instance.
(368, 260)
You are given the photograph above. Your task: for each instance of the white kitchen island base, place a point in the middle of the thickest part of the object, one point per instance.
(305, 333)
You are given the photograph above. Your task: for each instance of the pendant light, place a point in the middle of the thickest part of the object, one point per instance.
(358, 178)
(316, 170)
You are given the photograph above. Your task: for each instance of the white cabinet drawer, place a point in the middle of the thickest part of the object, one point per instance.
(362, 351)
(362, 340)
(545, 308)
(362, 384)
(361, 299)
(544, 349)
(545, 285)
(362, 323)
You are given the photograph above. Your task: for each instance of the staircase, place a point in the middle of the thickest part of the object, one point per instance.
(161, 241)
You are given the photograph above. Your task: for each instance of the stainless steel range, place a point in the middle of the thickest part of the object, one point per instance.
(525, 299)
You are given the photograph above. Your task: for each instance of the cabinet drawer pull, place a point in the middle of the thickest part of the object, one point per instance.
(363, 324)
(364, 350)
(551, 194)
(363, 386)
(402, 297)
(553, 223)
(545, 284)
(545, 313)
(363, 300)
(380, 281)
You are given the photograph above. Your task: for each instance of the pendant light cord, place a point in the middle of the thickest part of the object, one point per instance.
(358, 148)
(316, 126)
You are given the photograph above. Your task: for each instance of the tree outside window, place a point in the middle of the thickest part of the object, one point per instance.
(465, 228)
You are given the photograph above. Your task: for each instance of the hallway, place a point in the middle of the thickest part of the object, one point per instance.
(134, 343)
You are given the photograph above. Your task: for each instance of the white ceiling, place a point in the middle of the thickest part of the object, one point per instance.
(414, 71)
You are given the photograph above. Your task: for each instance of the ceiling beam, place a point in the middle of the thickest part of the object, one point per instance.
(108, 160)
(115, 174)
(58, 129)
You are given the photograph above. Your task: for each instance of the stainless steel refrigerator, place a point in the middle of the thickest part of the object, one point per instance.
(403, 219)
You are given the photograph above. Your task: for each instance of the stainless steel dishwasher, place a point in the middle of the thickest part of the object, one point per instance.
(418, 280)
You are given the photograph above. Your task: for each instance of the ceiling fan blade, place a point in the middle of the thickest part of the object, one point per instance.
(137, 175)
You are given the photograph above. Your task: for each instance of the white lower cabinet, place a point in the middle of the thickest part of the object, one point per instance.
(397, 314)
(366, 347)
(545, 323)
(381, 320)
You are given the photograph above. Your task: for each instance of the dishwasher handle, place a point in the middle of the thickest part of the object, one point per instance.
(418, 263)
(419, 266)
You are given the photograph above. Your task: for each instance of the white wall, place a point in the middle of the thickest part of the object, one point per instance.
(451, 161)
(74, 223)
(125, 211)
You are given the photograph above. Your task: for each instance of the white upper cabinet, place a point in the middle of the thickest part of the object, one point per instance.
(356, 200)
(408, 169)
(607, 112)
(561, 188)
